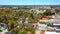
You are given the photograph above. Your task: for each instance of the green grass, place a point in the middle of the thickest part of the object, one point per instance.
(0, 30)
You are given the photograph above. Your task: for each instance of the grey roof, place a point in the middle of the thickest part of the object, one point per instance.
(26, 24)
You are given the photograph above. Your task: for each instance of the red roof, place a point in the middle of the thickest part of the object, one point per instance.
(46, 17)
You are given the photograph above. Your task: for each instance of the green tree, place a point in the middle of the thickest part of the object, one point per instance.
(39, 16)
(22, 31)
(48, 12)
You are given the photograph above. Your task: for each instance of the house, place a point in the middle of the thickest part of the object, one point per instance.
(44, 17)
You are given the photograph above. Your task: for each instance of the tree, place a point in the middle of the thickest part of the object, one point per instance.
(48, 12)
(30, 20)
(22, 31)
(39, 16)
(57, 10)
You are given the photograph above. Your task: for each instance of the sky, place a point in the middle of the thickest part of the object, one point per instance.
(29, 2)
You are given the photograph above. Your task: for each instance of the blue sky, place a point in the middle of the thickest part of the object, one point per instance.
(29, 2)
